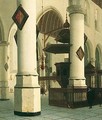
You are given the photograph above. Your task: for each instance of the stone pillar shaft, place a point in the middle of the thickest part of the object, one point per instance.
(77, 30)
(77, 49)
(27, 90)
(27, 40)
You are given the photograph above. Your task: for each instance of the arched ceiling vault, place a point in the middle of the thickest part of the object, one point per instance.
(49, 23)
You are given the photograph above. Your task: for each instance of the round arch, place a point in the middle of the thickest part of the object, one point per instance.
(87, 15)
(49, 21)
(98, 53)
(47, 9)
(98, 64)
(12, 53)
(12, 49)
(12, 32)
(89, 52)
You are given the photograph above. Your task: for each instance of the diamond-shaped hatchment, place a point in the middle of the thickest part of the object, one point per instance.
(20, 16)
(6, 66)
(80, 53)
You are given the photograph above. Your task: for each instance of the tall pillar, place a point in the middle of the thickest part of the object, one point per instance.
(76, 13)
(4, 89)
(27, 90)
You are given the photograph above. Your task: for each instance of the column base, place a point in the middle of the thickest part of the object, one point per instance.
(27, 113)
(77, 96)
(77, 82)
(4, 93)
(27, 96)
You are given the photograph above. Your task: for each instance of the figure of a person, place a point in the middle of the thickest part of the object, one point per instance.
(42, 90)
(90, 96)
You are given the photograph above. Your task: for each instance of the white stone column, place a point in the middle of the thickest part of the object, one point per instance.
(76, 13)
(27, 90)
(4, 89)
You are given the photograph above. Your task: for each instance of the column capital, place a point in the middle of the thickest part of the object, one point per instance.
(76, 9)
(4, 43)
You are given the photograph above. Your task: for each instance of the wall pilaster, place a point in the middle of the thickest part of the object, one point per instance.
(4, 89)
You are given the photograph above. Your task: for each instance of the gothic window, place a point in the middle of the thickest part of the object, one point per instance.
(86, 58)
(96, 18)
(97, 59)
(87, 13)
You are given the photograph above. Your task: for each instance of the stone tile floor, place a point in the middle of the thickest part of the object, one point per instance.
(51, 112)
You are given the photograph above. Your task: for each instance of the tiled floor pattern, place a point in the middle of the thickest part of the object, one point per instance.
(52, 112)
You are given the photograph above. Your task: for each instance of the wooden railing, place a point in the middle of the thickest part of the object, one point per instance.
(71, 97)
(68, 97)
